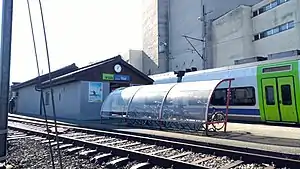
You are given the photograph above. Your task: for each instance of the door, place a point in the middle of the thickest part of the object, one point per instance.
(279, 99)
(286, 93)
(270, 99)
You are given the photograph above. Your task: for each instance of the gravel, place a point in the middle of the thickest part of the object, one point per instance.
(36, 155)
(28, 153)
(216, 162)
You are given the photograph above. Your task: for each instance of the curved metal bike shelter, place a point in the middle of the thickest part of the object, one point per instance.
(179, 106)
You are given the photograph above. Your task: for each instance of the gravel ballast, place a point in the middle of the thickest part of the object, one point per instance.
(29, 153)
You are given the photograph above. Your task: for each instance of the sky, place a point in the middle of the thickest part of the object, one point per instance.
(78, 31)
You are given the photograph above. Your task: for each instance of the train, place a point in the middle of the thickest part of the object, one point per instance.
(264, 91)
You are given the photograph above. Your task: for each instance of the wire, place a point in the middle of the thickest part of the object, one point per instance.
(50, 84)
(40, 81)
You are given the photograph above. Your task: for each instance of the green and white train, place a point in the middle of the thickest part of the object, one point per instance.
(266, 91)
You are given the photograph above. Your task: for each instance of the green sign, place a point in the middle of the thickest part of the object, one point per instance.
(106, 76)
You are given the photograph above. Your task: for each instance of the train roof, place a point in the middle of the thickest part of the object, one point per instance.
(170, 76)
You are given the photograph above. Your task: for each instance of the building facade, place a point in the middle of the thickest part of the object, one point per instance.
(263, 29)
(166, 21)
(78, 94)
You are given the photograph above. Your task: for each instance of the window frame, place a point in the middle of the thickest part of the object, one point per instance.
(267, 98)
(284, 95)
(232, 95)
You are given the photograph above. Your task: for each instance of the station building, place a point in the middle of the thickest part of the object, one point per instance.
(78, 92)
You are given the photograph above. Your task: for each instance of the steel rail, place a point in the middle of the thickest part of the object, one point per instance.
(237, 155)
(153, 159)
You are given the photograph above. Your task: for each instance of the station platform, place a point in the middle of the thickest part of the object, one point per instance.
(279, 139)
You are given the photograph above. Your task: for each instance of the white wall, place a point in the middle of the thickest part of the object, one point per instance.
(232, 36)
(183, 20)
(160, 25)
(150, 30)
(67, 105)
(233, 33)
(28, 100)
(284, 41)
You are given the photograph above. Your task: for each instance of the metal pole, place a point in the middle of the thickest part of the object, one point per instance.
(204, 37)
(6, 31)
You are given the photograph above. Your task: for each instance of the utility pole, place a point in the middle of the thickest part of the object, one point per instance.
(204, 37)
(6, 31)
(204, 33)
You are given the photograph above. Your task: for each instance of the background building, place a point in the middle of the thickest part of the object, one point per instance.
(265, 28)
(139, 60)
(164, 23)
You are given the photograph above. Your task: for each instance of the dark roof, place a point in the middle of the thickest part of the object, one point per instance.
(54, 74)
(72, 75)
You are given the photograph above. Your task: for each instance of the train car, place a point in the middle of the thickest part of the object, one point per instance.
(266, 91)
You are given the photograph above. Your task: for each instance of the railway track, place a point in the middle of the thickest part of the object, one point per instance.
(148, 152)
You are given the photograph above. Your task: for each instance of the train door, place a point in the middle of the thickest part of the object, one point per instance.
(270, 99)
(279, 99)
(287, 99)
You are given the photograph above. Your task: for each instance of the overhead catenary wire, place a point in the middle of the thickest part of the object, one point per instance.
(50, 84)
(42, 105)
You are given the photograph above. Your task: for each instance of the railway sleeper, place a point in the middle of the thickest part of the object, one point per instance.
(39, 138)
(203, 159)
(117, 163)
(46, 141)
(143, 148)
(101, 158)
(180, 155)
(65, 146)
(128, 145)
(86, 154)
(232, 165)
(159, 151)
(116, 142)
(55, 143)
(83, 136)
(145, 165)
(74, 150)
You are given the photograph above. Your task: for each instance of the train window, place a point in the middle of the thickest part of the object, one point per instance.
(240, 96)
(286, 95)
(219, 97)
(244, 96)
(270, 95)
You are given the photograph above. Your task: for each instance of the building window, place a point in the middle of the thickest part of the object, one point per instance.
(47, 98)
(256, 37)
(240, 96)
(268, 7)
(255, 13)
(275, 30)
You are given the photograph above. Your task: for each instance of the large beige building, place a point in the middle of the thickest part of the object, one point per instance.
(271, 26)
(164, 23)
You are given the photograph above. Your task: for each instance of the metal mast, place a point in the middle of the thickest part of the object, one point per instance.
(6, 31)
